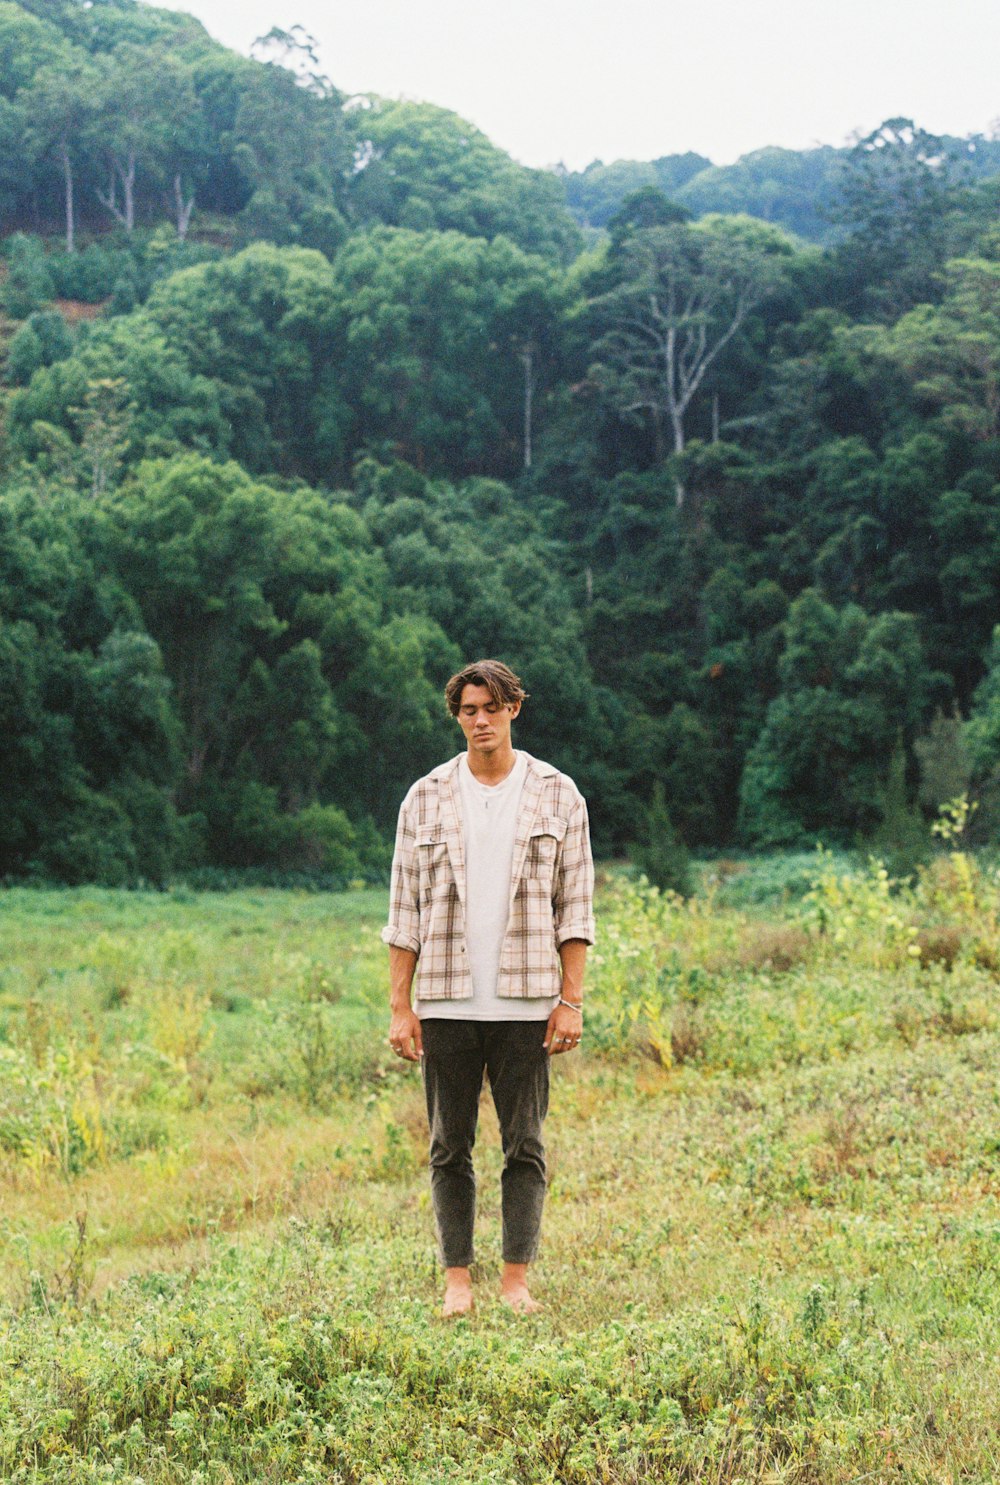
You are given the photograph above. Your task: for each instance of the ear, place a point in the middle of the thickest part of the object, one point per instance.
(515, 707)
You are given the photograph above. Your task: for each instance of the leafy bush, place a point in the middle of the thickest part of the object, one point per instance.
(663, 856)
(28, 285)
(41, 340)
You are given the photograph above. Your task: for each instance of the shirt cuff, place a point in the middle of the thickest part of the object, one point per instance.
(397, 939)
(566, 931)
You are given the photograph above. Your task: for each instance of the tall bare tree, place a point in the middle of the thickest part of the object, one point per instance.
(681, 293)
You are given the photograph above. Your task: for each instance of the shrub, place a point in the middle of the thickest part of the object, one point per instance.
(29, 283)
(41, 340)
(900, 840)
(663, 857)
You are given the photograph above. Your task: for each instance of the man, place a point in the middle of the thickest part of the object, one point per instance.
(491, 908)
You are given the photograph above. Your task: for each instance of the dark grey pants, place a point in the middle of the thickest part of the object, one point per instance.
(455, 1056)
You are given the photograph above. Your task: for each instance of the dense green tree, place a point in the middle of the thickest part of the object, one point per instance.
(431, 331)
(291, 145)
(28, 43)
(151, 402)
(596, 194)
(86, 710)
(794, 189)
(898, 187)
(268, 609)
(849, 685)
(259, 326)
(421, 167)
(478, 564)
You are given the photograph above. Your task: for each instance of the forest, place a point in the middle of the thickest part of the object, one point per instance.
(308, 398)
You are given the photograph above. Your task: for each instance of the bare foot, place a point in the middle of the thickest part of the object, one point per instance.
(457, 1293)
(514, 1290)
(520, 1300)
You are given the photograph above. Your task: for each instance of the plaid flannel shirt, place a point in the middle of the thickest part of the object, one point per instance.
(551, 888)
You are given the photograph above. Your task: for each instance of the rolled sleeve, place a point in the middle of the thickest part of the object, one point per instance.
(573, 898)
(403, 928)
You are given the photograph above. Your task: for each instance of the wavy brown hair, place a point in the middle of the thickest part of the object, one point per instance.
(500, 681)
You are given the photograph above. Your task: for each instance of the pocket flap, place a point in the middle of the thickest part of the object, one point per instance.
(549, 825)
(429, 837)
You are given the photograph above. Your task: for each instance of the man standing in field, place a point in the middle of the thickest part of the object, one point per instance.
(491, 909)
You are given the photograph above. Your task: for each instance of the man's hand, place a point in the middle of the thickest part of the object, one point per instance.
(565, 1026)
(405, 1037)
(563, 1031)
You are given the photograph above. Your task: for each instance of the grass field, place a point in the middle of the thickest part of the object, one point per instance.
(772, 1239)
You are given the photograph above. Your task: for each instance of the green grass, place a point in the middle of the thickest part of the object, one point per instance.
(772, 1239)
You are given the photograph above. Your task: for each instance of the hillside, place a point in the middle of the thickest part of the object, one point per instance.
(306, 402)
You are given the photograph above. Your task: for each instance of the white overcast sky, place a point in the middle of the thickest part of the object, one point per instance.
(577, 80)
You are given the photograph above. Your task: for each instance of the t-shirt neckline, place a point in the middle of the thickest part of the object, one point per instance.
(492, 790)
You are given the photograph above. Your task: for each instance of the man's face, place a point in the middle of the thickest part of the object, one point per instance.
(485, 724)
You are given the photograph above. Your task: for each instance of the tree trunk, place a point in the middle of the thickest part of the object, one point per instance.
(677, 419)
(128, 186)
(184, 208)
(109, 201)
(68, 174)
(659, 444)
(526, 357)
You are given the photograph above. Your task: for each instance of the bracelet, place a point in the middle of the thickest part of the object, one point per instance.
(571, 1005)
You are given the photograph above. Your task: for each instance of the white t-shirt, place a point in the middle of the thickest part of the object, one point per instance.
(489, 817)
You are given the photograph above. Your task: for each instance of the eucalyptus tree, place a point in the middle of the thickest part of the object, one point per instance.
(679, 295)
(60, 107)
(147, 108)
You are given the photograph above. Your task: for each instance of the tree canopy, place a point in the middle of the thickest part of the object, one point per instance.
(308, 399)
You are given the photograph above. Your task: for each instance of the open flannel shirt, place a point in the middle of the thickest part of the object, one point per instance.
(551, 886)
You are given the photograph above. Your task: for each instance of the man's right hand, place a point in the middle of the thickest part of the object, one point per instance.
(405, 1037)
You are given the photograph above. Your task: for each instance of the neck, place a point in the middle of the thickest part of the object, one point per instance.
(491, 768)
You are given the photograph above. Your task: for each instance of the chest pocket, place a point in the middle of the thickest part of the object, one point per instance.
(544, 845)
(432, 862)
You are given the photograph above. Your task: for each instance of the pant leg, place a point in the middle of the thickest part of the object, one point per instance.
(452, 1066)
(518, 1066)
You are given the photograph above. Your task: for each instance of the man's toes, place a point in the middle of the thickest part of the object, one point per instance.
(520, 1301)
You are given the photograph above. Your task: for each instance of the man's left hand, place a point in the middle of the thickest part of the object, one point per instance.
(564, 1030)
